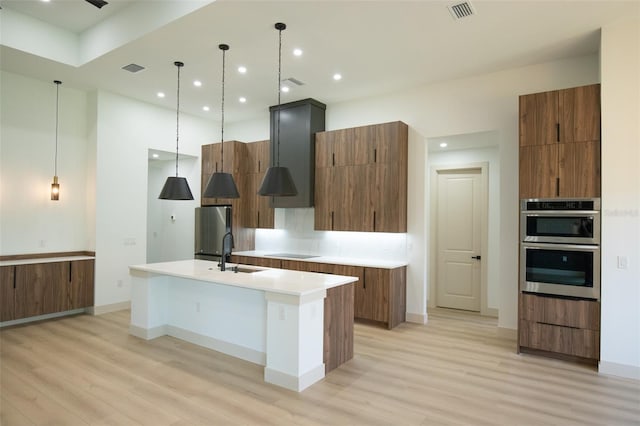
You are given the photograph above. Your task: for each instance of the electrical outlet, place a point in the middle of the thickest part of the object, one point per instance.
(43, 243)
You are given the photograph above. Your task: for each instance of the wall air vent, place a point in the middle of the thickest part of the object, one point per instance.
(461, 10)
(133, 68)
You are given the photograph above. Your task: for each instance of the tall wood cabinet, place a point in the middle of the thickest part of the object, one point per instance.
(560, 143)
(361, 179)
(560, 157)
(257, 211)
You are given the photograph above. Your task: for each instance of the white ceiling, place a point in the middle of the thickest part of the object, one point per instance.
(378, 46)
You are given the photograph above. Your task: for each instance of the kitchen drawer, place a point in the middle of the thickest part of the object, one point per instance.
(563, 312)
(560, 339)
(256, 261)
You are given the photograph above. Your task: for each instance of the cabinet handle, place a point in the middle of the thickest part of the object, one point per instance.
(557, 132)
(333, 159)
(375, 155)
(332, 221)
(374, 220)
(258, 220)
(259, 166)
(364, 284)
(14, 277)
(557, 187)
(70, 268)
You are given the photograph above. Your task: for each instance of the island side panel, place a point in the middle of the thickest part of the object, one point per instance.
(338, 326)
(149, 298)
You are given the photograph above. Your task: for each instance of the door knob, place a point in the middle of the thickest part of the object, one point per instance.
(476, 257)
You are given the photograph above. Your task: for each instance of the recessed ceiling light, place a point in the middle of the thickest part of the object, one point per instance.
(197, 83)
(297, 52)
(161, 94)
(285, 89)
(443, 144)
(45, 1)
(155, 155)
(205, 108)
(337, 76)
(242, 69)
(242, 99)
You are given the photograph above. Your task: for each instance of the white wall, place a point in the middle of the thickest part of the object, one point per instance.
(169, 239)
(477, 104)
(126, 130)
(620, 68)
(29, 221)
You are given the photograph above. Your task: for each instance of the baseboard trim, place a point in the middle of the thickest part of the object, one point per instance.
(232, 349)
(507, 333)
(105, 309)
(147, 333)
(41, 317)
(292, 382)
(417, 318)
(619, 370)
(490, 312)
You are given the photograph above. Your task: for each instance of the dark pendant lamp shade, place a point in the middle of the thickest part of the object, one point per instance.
(277, 181)
(176, 188)
(221, 184)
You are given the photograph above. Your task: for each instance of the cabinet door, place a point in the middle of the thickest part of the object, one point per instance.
(353, 188)
(375, 305)
(323, 199)
(538, 171)
(81, 288)
(579, 169)
(7, 293)
(580, 114)
(539, 118)
(41, 288)
(388, 142)
(389, 199)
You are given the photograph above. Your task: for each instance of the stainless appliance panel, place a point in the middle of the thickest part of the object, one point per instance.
(211, 224)
(580, 227)
(560, 269)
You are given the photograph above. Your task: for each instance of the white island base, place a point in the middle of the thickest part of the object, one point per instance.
(273, 317)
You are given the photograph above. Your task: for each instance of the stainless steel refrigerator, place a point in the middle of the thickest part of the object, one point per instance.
(211, 225)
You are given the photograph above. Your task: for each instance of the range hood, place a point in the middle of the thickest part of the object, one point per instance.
(299, 122)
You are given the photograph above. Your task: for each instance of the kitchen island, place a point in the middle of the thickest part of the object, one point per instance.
(299, 325)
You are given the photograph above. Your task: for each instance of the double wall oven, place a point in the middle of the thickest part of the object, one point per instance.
(560, 247)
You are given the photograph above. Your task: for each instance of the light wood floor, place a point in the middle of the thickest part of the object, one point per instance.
(88, 370)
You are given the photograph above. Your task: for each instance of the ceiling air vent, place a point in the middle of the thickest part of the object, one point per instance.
(133, 68)
(293, 81)
(461, 10)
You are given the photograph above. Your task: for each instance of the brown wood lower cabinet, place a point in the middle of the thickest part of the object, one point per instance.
(561, 326)
(34, 289)
(379, 294)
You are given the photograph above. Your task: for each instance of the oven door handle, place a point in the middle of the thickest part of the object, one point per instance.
(582, 247)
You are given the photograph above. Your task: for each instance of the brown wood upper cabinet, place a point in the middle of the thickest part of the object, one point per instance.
(256, 210)
(361, 179)
(560, 143)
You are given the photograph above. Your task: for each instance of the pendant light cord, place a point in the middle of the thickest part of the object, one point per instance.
(179, 65)
(222, 113)
(279, 89)
(55, 163)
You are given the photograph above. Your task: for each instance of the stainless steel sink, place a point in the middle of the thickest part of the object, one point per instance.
(243, 269)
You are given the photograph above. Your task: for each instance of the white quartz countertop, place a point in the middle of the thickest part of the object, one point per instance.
(44, 260)
(369, 263)
(282, 281)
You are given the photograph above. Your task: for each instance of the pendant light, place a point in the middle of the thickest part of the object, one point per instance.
(221, 184)
(55, 186)
(277, 181)
(176, 188)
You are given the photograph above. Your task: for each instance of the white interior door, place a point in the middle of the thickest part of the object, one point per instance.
(459, 239)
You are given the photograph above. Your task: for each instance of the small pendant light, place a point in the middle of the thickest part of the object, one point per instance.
(55, 186)
(277, 181)
(176, 188)
(221, 184)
